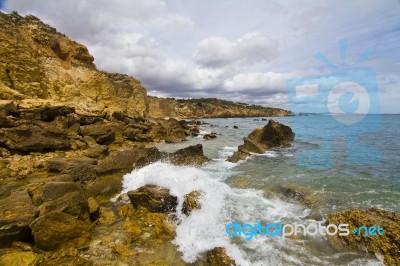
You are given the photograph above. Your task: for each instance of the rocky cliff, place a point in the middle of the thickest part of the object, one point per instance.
(207, 108)
(39, 62)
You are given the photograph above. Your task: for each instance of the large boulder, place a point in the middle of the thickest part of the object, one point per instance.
(191, 201)
(56, 229)
(387, 244)
(274, 134)
(17, 212)
(218, 257)
(153, 198)
(192, 155)
(34, 136)
(80, 168)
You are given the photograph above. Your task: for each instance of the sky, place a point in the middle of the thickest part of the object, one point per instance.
(236, 50)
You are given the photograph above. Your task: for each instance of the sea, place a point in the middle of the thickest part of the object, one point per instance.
(341, 165)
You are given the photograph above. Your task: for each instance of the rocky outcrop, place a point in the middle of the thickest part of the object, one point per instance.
(386, 245)
(218, 257)
(208, 108)
(153, 198)
(274, 134)
(80, 168)
(39, 62)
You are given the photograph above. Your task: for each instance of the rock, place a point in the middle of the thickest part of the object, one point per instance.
(80, 168)
(153, 198)
(210, 136)
(107, 216)
(301, 194)
(55, 229)
(17, 212)
(261, 139)
(96, 151)
(192, 155)
(101, 132)
(123, 250)
(153, 155)
(192, 202)
(73, 203)
(94, 209)
(387, 245)
(21, 258)
(34, 137)
(46, 112)
(105, 186)
(122, 160)
(55, 190)
(67, 257)
(218, 257)
(235, 127)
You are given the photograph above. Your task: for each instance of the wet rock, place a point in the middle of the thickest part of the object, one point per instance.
(81, 168)
(38, 136)
(192, 155)
(301, 194)
(153, 155)
(105, 186)
(67, 257)
(20, 258)
(192, 202)
(235, 127)
(261, 139)
(123, 250)
(212, 135)
(218, 257)
(101, 132)
(55, 229)
(387, 245)
(153, 198)
(17, 212)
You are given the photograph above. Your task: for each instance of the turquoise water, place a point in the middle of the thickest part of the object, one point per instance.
(324, 158)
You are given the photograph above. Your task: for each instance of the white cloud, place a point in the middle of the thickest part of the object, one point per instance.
(251, 48)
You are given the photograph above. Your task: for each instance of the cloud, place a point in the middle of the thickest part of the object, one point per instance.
(251, 48)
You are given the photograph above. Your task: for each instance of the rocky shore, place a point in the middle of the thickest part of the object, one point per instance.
(68, 134)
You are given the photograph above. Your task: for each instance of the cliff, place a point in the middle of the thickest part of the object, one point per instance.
(40, 63)
(208, 108)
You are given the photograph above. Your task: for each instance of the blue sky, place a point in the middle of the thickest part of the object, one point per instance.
(236, 50)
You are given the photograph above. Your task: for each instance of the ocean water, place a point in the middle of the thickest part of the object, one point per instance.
(324, 158)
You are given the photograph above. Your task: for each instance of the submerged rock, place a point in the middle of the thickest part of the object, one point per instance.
(17, 212)
(192, 201)
(218, 257)
(153, 198)
(261, 139)
(387, 244)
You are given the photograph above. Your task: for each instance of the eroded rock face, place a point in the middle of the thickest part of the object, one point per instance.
(55, 229)
(387, 245)
(17, 212)
(39, 62)
(261, 139)
(218, 257)
(153, 198)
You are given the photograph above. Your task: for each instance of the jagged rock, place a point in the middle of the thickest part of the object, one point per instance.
(122, 160)
(261, 139)
(85, 120)
(44, 113)
(106, 216)
(101, 132)
(301, 194)
(218, 257)
(7, 107)
(153, 198)
(153, 155)
(55, 229)
(192, 201)
(34, 136)
(387, 245)
(17, 212)
(80, 168)
(192, 155)
(55, 190)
